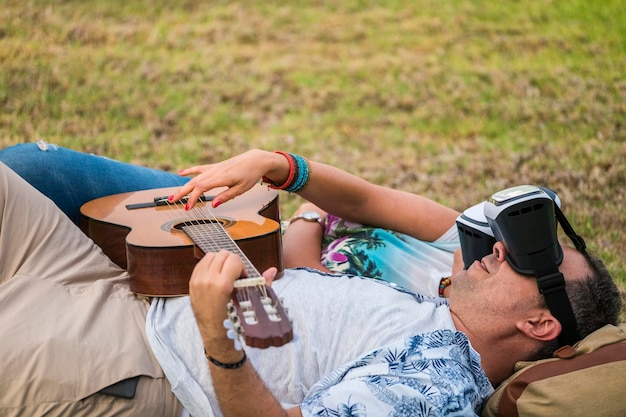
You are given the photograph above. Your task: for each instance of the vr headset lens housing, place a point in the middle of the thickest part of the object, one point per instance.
(524, 219)
(475, 234)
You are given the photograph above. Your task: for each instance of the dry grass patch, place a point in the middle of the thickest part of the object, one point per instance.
(454, 100)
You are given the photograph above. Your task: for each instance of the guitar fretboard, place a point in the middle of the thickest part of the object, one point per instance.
(210, 236)
(255, 312)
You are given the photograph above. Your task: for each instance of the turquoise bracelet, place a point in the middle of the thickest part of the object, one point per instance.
(302, 174)
(299, 173)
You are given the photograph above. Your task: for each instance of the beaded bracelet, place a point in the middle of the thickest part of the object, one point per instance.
(292, 173)
(445, 282)
(226, 365)
(299, 172)
(302, 175)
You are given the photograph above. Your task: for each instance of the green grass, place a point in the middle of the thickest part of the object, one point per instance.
(453, 99)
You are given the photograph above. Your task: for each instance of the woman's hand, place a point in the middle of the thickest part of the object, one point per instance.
(239, 174)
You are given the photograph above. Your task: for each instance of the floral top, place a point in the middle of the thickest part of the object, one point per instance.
(355, 249)
(432, 374)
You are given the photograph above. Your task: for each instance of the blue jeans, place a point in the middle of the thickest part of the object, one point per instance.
(71, 178)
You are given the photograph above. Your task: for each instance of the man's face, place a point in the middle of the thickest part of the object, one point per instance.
(491, 293)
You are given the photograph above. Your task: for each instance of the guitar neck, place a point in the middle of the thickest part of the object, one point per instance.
(211, 237)
(256, 313)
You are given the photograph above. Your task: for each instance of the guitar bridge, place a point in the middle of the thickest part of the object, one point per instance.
(163, 201)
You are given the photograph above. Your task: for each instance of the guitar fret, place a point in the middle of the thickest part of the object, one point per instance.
(212, 237)
(254, 303)
(249, 282)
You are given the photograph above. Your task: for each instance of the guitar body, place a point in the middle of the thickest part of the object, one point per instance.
(159, 256)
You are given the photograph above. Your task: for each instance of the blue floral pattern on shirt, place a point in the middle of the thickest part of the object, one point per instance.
(432, 374)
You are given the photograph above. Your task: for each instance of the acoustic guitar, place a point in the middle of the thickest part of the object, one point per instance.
(159, 244)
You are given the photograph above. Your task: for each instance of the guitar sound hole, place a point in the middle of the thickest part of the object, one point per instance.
(225, 222)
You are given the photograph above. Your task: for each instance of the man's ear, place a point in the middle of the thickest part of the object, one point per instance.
(542, 326)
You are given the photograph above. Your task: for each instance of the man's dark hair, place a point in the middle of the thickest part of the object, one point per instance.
(595, 300)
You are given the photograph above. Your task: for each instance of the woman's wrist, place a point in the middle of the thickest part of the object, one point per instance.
(294, 178)
(277, 167)
(309, 208)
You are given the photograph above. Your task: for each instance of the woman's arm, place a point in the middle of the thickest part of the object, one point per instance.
(332, 189)
(353, 198)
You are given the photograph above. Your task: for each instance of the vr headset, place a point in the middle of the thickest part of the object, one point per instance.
(524, 219)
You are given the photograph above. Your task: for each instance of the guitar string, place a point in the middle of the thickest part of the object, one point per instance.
(187, 221)
(250, 269)
(214, 222)
(243, 293)
(198, 216)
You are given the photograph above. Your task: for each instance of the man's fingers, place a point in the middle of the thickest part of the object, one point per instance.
(216, 272)
(270, 274)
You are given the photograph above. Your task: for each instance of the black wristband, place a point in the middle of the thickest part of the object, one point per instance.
(227, 365)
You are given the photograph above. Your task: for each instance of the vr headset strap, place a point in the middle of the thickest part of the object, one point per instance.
(551, 284)
(578, 241)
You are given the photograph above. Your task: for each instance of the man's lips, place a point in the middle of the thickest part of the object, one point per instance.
(481, 264)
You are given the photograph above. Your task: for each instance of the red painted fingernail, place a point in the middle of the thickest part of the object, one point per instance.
(187, 206)
(170, 198)
(216, 203)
